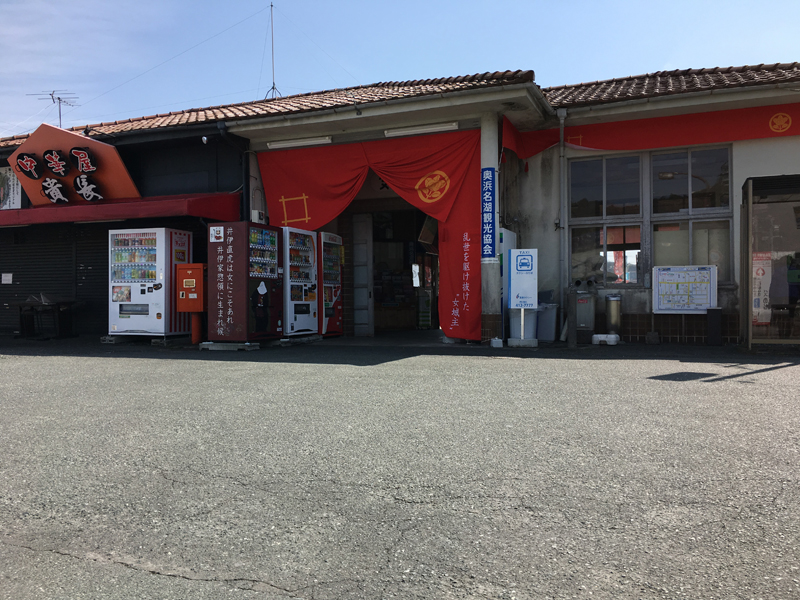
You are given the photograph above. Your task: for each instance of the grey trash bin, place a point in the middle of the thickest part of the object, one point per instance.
(546, 322)
(614, 313)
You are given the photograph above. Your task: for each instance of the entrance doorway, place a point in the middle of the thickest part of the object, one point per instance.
(394, 268)
(404, 271)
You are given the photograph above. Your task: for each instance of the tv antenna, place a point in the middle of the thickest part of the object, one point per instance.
(273, 90)
(58, 97)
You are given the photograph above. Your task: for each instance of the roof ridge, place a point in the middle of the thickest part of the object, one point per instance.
(526, 75)
(306, 101)
(761, 67)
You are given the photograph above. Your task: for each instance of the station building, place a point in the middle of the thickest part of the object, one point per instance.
(607, 180)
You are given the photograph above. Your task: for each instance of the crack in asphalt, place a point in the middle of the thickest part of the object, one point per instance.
(242, 583)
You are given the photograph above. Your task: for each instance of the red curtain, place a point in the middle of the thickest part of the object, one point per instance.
(716, 127)
(439, 174)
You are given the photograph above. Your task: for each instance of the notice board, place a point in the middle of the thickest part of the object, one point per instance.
(684, 290)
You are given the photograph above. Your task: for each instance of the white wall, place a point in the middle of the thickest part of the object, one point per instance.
(530, 209)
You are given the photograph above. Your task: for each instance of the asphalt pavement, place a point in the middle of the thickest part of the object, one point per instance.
(396, 468)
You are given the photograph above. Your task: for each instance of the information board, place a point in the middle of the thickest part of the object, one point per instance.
(523, 279)
(684, 290)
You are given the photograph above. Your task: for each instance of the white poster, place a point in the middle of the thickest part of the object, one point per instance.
(762, 277)
(10, 190)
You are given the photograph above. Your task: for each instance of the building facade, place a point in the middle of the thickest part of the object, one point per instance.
(608, 181)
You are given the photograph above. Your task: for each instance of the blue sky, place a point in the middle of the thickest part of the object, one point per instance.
(131, 58)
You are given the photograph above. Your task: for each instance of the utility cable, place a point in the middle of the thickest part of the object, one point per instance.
(11, 129)
(321, 50)
(174, 57)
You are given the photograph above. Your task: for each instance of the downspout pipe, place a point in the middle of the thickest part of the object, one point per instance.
(242, 146)
(563, 216)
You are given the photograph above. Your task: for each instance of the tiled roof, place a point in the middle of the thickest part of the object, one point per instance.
(662, 83)
(666, 83)
(362, 95)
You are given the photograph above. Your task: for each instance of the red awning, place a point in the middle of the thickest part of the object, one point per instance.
(217, 207)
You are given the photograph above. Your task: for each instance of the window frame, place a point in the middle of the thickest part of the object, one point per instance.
(605, 216)
(647, 219)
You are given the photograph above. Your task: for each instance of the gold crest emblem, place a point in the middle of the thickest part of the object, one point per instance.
(433, 186)
(780, 122)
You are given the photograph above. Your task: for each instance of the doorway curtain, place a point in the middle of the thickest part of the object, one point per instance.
(438, 174)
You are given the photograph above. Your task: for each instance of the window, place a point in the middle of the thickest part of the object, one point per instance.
(694, 184)
(711, 242)
(612, 184)
(686, 222)
(707, 170)
(606, 254)
(606, 192)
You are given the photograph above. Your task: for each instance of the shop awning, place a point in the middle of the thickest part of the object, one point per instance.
(217, 207)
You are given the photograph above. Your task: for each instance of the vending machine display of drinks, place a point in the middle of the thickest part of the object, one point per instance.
(300, 288)
(331, 320)
(245, 282)
(142, 281)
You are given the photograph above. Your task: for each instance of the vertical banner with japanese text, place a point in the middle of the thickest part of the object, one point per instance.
(488, 221)
(222, 310)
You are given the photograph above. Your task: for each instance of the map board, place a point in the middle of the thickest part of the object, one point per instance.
(684, 290)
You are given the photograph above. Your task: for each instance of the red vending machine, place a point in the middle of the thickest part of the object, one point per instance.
(331, 321)
(245, 282)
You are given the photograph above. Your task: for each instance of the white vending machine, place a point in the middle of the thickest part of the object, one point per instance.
(142, 281)
(300, 303)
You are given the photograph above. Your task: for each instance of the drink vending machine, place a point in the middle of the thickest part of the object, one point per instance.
(331, 320)
(245, 282)
(142, 281)
(300, 289)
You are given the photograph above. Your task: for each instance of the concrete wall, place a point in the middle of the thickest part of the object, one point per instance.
(530, 209)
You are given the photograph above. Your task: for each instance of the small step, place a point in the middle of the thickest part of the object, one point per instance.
(246, 346)
(609, 339)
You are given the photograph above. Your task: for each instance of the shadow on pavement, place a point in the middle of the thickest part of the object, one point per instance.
(390, 347)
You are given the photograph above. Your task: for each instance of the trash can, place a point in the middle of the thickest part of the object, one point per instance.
(585, 316)
(546, 322)
(585, 313)
(614, 314)
(714, 320)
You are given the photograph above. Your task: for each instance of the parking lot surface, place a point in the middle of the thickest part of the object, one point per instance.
(396, 469)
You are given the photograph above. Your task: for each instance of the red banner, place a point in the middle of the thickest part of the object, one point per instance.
(662, 132)
(439, 174)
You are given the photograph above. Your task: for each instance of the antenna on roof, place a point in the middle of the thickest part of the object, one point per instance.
(58, 97)
(273, 90)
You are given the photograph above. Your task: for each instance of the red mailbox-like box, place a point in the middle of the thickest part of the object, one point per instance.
(192, 287)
